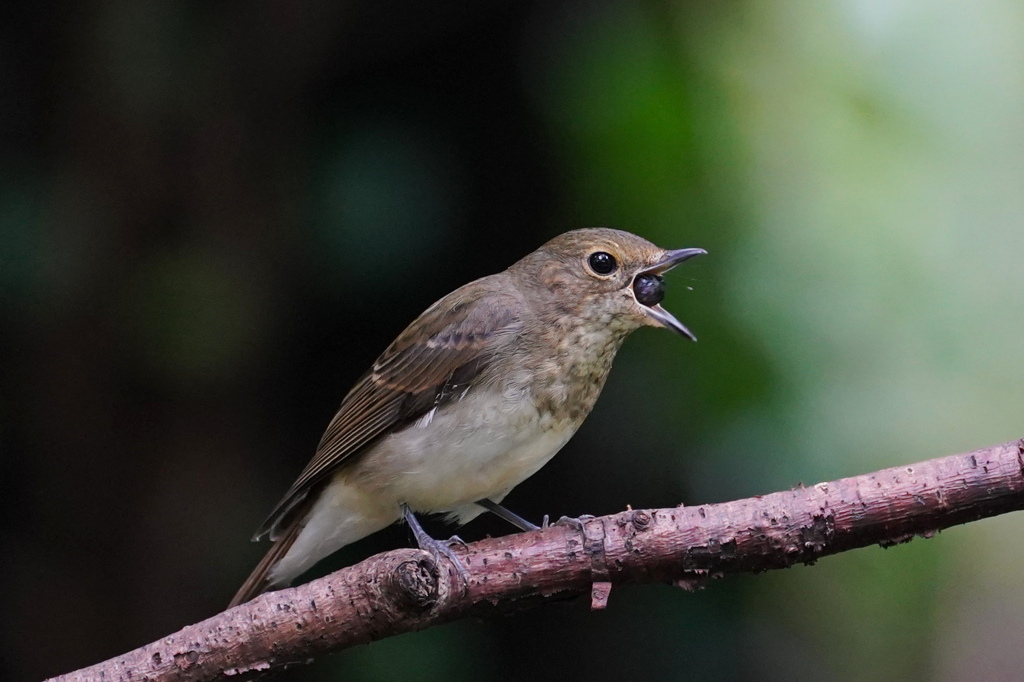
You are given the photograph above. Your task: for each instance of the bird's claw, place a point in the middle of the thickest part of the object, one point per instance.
(456, 540)
(575, 521)
(439, 548)
(436, 548)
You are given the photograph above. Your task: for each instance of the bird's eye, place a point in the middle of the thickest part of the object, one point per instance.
(603, 263)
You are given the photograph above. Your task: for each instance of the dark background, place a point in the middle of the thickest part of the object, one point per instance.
(213, 217)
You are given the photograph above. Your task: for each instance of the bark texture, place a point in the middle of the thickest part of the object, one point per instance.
(405, 590)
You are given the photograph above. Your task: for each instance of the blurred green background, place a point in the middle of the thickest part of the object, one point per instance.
(213, 216)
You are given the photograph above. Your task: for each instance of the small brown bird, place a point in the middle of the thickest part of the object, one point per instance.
(475, 396)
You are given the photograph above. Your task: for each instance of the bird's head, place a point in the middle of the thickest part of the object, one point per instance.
(605, 276)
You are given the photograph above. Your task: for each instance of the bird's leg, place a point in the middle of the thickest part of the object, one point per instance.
(437, 548)
(516, 520)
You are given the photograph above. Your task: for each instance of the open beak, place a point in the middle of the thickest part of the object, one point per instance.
(654, 309)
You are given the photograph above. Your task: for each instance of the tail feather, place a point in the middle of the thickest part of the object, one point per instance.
(259, 581)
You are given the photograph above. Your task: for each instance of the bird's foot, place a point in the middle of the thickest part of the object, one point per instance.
(574, 521)
(437, 548)
(456, 540)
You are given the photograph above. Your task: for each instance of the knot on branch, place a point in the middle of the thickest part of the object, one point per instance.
(415, 584)
(641, 520)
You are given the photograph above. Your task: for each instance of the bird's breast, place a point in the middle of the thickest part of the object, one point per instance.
(497, 433)
(571, 377)
(480, 445)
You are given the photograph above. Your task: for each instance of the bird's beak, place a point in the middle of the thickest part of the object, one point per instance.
(668, 320)
(656, 312)
(674, 258)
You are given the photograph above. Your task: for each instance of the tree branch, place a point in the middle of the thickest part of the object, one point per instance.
(404, 590)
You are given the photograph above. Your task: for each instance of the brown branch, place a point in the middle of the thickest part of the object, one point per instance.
(400, 591)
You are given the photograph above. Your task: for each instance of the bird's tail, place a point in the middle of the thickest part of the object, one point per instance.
(259, 581)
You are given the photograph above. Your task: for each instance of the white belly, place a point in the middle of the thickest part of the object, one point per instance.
(445, 462)
(475, 449)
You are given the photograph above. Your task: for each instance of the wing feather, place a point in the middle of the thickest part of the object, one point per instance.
(439, 354)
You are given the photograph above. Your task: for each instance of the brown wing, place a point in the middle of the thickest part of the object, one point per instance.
(436, 357)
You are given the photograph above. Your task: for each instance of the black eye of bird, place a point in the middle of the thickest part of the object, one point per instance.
(603, 263)
(649, 289)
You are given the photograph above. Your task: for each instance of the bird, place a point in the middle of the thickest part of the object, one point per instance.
(471, 399)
